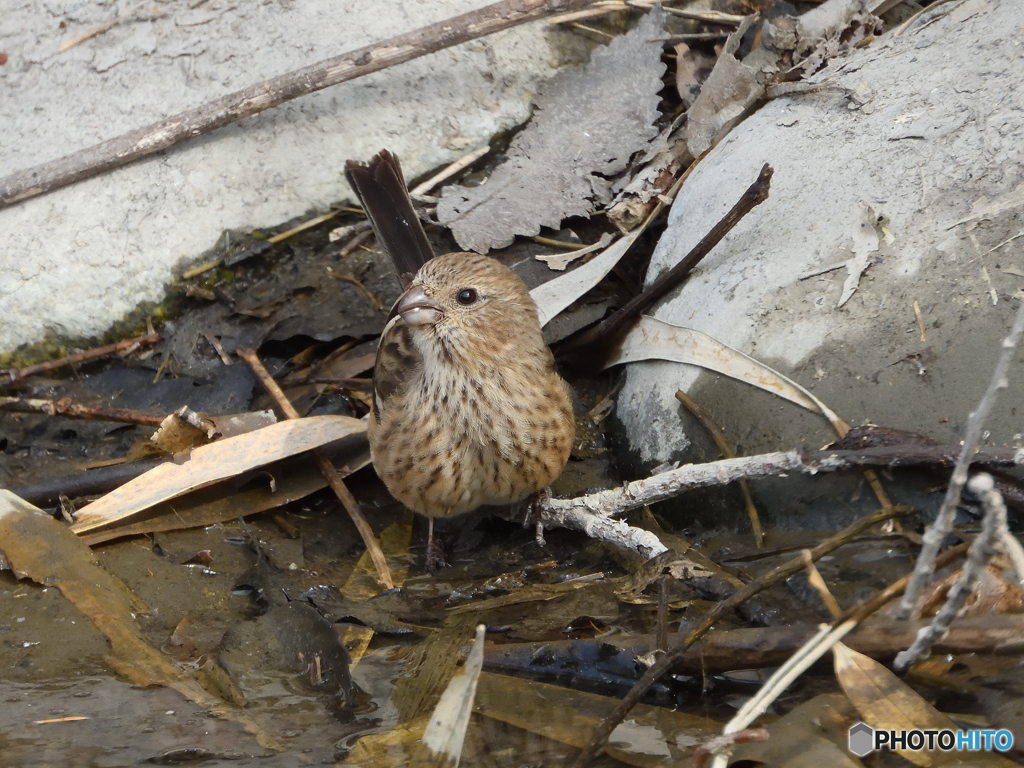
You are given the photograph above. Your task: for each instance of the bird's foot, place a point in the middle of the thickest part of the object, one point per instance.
(435, 557)
(533, 513)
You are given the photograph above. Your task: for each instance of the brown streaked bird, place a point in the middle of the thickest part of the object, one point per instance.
(468, 409)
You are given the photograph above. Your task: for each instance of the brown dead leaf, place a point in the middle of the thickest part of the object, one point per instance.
(886, 702)
(993, 593)
(273, 486)
(215, 462)
(40, 548)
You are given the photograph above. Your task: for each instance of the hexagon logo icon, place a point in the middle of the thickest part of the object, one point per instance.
(862, 739)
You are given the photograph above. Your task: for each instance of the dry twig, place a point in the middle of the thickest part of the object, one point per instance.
(992, 527)
(332, 475)
(665, 663)
(123, 347)
(67, 407)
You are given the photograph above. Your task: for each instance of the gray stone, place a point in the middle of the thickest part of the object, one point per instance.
(76, 260)
(932, 143)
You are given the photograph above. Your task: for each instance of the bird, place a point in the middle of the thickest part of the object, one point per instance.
(468, 408)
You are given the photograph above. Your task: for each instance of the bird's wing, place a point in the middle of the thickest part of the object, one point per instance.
(385, 198)
(397, 361)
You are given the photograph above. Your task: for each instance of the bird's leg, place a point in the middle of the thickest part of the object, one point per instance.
(533, 512)
(435, 555)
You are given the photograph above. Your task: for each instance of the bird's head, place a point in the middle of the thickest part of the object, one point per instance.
(469, 304)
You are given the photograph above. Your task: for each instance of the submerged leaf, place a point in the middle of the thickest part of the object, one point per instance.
(446, 731)
(45, 551)
(652, 736)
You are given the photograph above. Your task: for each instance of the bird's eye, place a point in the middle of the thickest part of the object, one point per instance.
(467, 296)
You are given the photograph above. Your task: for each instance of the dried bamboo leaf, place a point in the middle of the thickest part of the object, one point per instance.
(555, 295)
(215, 462)
(652, 339)
(39, 547)
(278, 484)
(885, 701)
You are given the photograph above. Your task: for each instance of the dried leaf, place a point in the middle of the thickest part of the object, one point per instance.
(275, 486)
(46, 551)
(559, 261)
(865, 242)
(651, 339)
(445, 733)
(555, 295)
(730, 89)
(885, 701)
(586, 124)
(212, 463)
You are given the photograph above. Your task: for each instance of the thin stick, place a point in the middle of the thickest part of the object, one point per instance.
(463, 162)
(943, 524)
(774, 576)
(201, 120)
(780, 680)
(978, 557)
(613, 327)
(728, 452)
(333, 478)
(123, 347)
(65, 406)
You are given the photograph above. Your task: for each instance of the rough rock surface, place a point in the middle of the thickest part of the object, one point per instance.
(936, 151)
(76, 260)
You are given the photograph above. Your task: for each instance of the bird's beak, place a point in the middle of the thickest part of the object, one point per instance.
(416, 308)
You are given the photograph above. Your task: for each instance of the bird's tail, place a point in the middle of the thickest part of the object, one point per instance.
(381, 189)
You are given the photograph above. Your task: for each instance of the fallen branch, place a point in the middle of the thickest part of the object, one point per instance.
(618, 501)
(760, 647)
(123, 347)
(993, 527)
(598, 526)
(201, 120)
(774, 576)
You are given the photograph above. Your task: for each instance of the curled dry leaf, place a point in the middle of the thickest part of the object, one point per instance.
(652, 339)
(865, 242)
(559, 261)
(555, 295)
